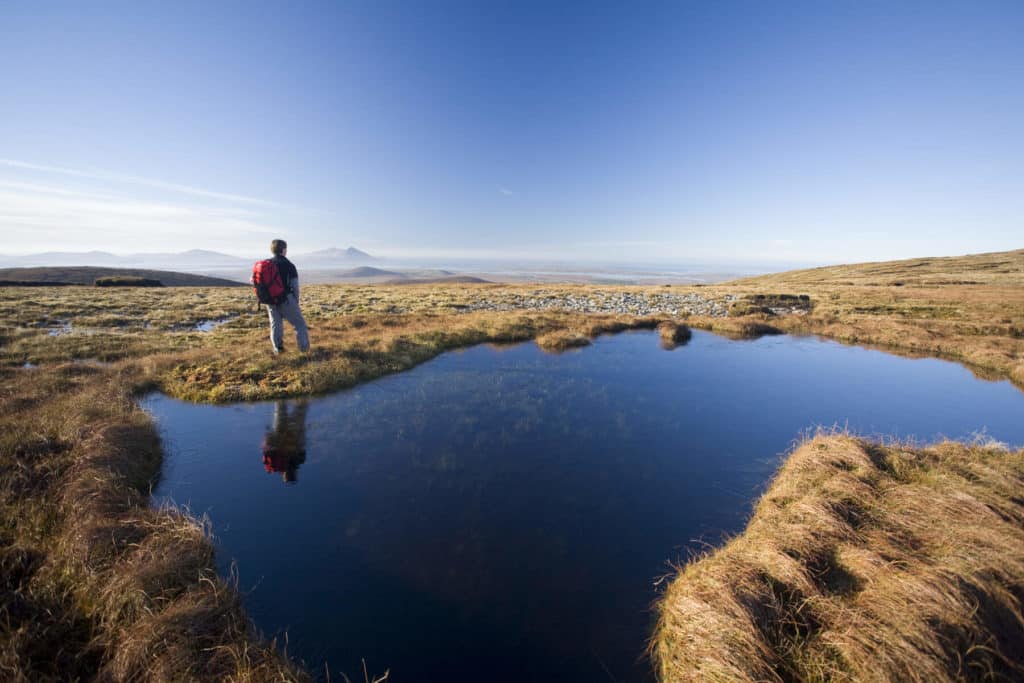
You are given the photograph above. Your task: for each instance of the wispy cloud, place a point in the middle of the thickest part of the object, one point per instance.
(59, 211)
(507, 192)
(69, 212)
(107, 176)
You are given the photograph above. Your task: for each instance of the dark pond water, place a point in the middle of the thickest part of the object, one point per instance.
(504, 514)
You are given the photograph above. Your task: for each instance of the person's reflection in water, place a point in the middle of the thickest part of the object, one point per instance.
(284, 446)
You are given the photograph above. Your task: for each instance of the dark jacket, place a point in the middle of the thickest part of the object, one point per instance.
(289, 275)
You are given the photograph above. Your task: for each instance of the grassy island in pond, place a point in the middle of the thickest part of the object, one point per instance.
(96, 583)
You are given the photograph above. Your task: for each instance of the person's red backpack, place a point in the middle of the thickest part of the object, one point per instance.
(267, 282)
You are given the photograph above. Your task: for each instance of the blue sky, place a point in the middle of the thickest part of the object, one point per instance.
(691, 132)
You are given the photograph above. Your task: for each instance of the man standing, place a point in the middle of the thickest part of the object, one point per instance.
(288, 308)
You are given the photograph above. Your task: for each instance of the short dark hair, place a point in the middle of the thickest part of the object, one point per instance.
(278, 246)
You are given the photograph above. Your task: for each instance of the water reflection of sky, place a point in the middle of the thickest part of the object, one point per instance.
(502, 514)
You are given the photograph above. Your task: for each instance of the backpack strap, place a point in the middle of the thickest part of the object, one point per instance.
(285, 268)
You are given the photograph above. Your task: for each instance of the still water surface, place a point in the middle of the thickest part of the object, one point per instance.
(503, 514)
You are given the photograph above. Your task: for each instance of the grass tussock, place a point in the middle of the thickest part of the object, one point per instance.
(562, 340)
(673, 334)
(96, 584)
(746, 327)
(861, 562)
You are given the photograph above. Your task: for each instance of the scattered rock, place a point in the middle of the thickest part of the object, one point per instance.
(639, 304)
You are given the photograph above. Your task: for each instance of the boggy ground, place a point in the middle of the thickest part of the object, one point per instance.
(96, 581)
(969, 309)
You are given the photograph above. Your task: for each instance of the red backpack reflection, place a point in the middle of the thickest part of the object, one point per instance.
(274, 460)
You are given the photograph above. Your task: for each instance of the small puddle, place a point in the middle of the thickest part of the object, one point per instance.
(86, 362)
(61, 328)
(210, 325)
(91, 362)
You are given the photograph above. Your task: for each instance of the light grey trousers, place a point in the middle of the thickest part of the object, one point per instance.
(288, 310)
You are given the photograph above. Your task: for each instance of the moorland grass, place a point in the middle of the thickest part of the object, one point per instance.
(359, 350)
(969, 309)
(673, 334)
(96, 584)
(562, 340)
(862, 562)
(966, 308)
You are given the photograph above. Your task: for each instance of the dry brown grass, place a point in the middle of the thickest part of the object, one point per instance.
(967, 308)
(93, 580)
(359, 348)
(673, 334)
(562, 340)
(358, 332)
(862, 562)
(97, 585)
(575, 331)
(995, 268)
(935, 311)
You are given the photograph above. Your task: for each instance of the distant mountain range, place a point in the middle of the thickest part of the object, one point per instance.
(193, 258)
(333, 256)
(366, 275)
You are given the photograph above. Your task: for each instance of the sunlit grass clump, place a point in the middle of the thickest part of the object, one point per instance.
(862, 562)
(96, 584)
(562, 340)
(673, 334)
